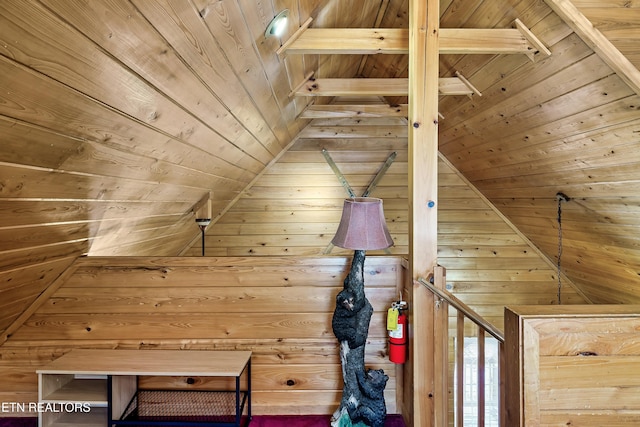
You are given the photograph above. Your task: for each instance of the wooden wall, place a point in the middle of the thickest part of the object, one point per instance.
(278, 307)
(266, 241)
(295, 207)
(572, 128)
(102, 152)
(489, 263)
(573, 366)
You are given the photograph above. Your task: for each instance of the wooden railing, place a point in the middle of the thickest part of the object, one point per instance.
(469, 390)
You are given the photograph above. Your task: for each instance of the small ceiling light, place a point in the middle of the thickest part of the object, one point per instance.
(277, 25)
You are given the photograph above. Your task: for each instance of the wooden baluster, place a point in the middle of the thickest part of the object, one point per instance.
(459, 410)
(502, 375)
(481, 377)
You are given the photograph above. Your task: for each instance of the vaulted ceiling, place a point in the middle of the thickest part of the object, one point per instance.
(120, 119)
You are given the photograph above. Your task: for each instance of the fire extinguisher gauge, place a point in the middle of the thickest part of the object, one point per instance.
(400, 305)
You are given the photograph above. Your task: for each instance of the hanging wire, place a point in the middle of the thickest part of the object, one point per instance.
(561, 198)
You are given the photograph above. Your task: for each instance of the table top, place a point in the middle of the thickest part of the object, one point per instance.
(150, 362)
(576, 310)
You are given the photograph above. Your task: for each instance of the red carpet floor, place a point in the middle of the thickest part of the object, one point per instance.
(309, 421)
(257, 421)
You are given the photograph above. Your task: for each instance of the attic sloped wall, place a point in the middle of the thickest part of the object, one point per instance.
(280, 308)
(295, 208)
(113, 128)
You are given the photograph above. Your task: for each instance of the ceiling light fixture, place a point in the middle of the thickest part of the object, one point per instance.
(277, 25)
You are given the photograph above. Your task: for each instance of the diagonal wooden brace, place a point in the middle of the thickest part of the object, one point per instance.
(372, 185)
(376, 179)
(339, 174)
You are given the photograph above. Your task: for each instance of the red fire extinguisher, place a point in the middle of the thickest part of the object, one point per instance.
(397, 329)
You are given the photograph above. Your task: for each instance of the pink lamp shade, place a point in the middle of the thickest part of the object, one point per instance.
(362, 225)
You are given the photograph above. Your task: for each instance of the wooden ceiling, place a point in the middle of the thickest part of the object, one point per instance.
(119, 119)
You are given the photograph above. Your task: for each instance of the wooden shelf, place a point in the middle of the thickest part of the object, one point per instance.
(91, 391)
(97, 417)
(88, 393)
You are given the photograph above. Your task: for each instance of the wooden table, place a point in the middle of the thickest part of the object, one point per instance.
(100, 388)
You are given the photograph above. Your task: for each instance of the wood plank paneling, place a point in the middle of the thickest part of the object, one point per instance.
(489, 263)
(117, 117)
(279, 308)
(262, 299)
(17, 295)
(280, 217)
(564, 343)
(574, 134)
(107, 155)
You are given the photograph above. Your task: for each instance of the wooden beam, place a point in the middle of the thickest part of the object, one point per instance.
(294, 37)
(369, 41)
(354, 87)
(598, 42)
(538, 45)
(362, 41)
(500, 41)
(468, 84)
(377, 87)
(360, 110)
(424, 32)
(301, 84)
